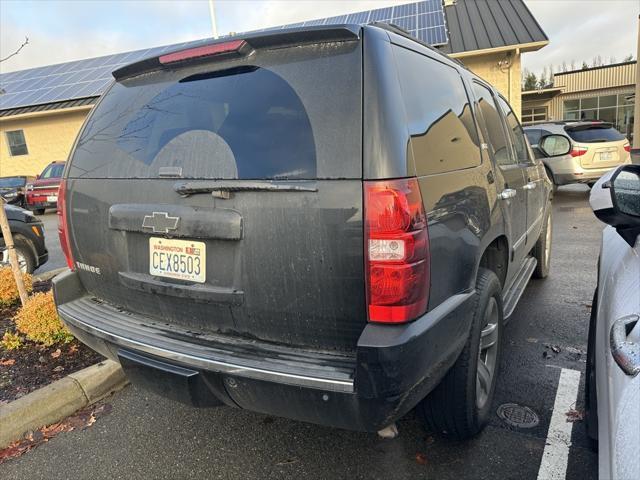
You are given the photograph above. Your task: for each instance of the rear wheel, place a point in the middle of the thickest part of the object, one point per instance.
(542, 249)
(460, 405)
(590, 394)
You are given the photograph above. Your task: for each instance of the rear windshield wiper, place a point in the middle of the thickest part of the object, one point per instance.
(222, 188)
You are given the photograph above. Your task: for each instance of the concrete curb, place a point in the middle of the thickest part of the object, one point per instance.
(59, 399)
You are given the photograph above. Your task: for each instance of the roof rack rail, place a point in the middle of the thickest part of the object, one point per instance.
(391, 27)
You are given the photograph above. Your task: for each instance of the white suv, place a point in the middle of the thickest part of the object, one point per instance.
(612, 387)
(596, 148)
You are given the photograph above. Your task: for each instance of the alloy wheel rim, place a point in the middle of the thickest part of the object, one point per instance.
(487, 353)
(22, 261)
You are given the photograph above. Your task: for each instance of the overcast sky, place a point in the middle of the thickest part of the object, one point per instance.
(67, 30)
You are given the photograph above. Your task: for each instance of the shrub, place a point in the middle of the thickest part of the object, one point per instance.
(39, 321)
(11, 341)
(8, 288)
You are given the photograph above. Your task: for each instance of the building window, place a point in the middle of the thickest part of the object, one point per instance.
(617, 109)
(17, 143)
(534, 114)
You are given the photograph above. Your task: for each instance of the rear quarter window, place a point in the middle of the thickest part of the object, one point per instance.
(290, 114)
(440, 120)
(594, 135)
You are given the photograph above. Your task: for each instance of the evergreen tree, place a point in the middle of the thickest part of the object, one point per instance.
(530, 80)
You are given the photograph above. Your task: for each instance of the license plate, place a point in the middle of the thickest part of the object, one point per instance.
(179, 259)
(605, 156)
(52, 198)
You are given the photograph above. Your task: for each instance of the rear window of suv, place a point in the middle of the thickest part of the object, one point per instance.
(295, 116)
(594, 134)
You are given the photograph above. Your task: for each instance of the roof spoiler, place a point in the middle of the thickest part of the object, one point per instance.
(588, 126)
(236, 47)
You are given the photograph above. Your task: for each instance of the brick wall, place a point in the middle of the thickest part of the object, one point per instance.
(49, 137)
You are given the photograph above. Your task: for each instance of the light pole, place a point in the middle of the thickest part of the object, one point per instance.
(212, 13)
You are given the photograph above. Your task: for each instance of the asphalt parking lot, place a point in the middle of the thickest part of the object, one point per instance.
(149, 437)
(56, 259)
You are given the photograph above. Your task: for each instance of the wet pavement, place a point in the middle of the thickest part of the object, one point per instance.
(146, 436)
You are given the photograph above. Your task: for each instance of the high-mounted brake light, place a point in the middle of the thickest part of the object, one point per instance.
(63, 225)
(205, 51)
(578, 151)
(397, 251)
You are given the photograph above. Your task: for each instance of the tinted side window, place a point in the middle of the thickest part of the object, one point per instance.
(533, 135)
(516, 133)
(492, 126)
(441, 125)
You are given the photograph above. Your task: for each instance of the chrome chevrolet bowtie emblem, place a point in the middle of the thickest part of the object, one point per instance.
(160, 222)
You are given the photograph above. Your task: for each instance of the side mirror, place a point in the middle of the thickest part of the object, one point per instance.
(615, 199)
(554, 145)
(38, 177)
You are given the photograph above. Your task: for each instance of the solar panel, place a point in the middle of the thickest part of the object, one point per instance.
(69, 80)
(424, 20)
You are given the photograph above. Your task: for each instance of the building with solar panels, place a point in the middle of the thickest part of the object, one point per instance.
(42, 109)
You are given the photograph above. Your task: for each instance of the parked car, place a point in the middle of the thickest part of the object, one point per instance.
(12, 189)
(42, 193)
(309, 224)
(596, 148)
(28, 240)
(612, 386)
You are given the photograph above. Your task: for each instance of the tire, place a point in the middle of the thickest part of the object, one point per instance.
(459, 407)
(38, 211)
(590, 393)
(25, 256)
(542, 249)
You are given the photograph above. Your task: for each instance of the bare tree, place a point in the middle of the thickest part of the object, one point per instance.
(24, 44)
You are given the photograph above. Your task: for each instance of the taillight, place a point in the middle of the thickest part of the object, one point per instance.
(63, 225)
(397, 251)
(627, 147)
(205, 51)
(578, 151)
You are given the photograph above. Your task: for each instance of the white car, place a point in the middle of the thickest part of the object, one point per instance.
(612, 387)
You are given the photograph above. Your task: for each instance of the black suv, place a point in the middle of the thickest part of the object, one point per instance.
(329, 224)
(28, 239)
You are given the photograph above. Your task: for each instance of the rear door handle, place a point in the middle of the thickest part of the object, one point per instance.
(507, 193)
(625, 352)
(530, 186)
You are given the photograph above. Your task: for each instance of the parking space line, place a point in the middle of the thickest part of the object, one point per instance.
(556, 451)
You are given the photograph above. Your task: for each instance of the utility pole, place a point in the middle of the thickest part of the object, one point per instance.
(212, 13)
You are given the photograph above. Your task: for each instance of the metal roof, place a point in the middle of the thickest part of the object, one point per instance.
(489, 24)
(472, 25)
(80, 102)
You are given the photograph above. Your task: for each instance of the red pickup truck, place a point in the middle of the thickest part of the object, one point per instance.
(43, 192)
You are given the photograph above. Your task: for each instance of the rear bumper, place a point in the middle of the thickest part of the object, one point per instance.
(393, 368)
(37, 205)
(567, 170)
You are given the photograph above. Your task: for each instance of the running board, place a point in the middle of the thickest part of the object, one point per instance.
(511, 297)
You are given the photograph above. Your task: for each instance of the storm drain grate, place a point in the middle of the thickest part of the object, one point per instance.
(517, 415)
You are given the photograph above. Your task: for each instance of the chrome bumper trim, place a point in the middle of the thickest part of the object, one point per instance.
(208, 364)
